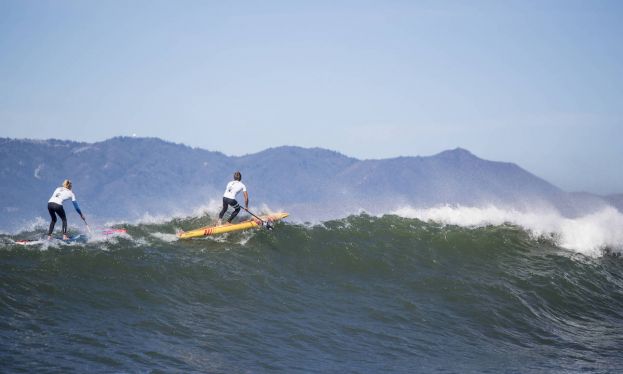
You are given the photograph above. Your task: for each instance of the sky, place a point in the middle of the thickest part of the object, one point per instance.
(536, 83)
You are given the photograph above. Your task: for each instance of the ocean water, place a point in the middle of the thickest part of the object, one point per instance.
(448, 291)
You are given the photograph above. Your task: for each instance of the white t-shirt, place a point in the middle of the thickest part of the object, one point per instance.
(61, 194)
(233, 188)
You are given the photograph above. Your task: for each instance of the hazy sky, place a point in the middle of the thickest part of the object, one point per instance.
(538, 83)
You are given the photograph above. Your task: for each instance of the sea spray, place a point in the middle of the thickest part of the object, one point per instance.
(589, 234)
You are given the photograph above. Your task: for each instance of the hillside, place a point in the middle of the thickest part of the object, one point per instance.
(127, 178)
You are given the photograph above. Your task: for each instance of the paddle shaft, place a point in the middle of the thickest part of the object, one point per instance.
(251, 213)
(268, 225)
(85, 222)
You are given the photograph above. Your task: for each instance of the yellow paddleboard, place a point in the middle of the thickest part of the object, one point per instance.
(244, 225)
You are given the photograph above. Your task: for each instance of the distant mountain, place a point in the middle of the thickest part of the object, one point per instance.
(616, 201)
(126, 178)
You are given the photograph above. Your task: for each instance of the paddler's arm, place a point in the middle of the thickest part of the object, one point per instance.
(246, 200)
(77, 207)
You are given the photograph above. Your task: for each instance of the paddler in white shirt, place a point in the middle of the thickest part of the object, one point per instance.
(229, 198)
(55, 206)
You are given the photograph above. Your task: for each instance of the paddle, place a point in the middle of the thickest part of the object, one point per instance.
(85, 222)
(268, 225)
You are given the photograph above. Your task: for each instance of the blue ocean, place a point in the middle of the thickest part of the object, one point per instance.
(410, 292)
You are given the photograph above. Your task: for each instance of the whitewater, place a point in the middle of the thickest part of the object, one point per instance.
(446, 289)
(589, 234)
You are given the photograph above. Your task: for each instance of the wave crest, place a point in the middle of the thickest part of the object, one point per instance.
(589, 234)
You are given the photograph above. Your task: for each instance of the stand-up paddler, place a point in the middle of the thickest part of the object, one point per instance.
(55, 207)
(229, 197)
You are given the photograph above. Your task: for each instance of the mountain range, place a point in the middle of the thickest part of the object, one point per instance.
(127, 178)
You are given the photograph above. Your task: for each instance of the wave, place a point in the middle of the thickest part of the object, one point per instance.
(452, 289)
(589, 234)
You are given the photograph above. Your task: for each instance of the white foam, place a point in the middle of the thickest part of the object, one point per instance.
(40, 223)
(588, 234)
(34, 224)
(169, 238)
(211, 209)
(98, 237)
